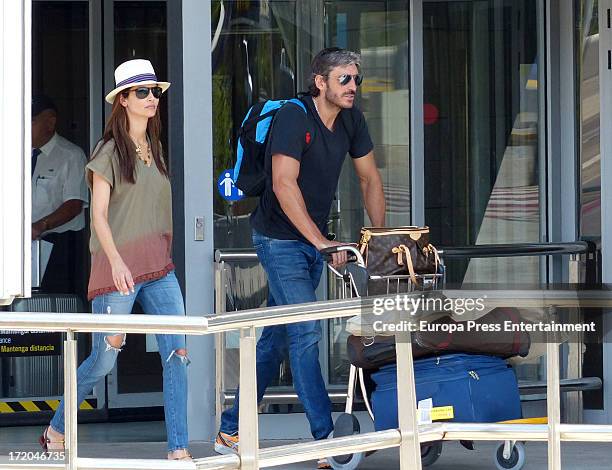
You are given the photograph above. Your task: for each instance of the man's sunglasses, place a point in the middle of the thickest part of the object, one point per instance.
(346, 78)
(142, 92)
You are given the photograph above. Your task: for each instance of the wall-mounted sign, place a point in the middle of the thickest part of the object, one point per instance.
(29, 343)
(226, 187)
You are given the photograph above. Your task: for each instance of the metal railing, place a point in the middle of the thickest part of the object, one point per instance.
(518, 249)
(585, 271)
(224, 258)
(474, 251)
(409, 435)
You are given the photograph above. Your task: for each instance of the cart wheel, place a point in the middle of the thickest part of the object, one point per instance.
(346, 425)
(516, 460)
(346, 462)
(430, 453)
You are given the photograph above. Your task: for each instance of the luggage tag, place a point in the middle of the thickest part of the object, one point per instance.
(424, 411)
(440, 413)
(427, 413)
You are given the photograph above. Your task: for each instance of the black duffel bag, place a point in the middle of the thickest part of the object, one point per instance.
(371, 352)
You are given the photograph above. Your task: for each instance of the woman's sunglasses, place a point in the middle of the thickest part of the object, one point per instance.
(142, 92)
(346, 78)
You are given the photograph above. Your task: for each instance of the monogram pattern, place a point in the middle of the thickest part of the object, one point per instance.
(401, 250)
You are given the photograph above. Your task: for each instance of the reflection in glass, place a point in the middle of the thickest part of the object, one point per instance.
(60, 64)
(140, 31)
(588, 132)
(587, 71)
(262, 50)
(60, 70)
(482, 85)
(254, 59)
(380, 31)
(246, 288)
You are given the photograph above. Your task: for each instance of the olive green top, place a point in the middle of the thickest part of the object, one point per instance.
(140, 219)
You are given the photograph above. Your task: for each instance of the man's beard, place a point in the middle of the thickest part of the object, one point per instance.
(338, 99)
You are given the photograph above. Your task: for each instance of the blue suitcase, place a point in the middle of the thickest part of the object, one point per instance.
(481, 389)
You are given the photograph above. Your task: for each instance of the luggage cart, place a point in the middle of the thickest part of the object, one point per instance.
(353, 281)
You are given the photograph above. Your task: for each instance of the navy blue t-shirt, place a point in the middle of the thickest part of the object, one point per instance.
(321, 153)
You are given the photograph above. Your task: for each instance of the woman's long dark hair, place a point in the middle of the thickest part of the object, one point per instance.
(118, 127)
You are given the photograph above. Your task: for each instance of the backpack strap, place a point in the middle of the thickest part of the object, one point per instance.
(299, 102)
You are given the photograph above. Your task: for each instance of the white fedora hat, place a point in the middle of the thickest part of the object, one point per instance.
(133, 73)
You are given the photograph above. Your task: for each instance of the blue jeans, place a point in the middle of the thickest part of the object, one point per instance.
(159, 297)
(294, 270)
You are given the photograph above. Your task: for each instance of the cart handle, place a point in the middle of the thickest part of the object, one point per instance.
(353, 253)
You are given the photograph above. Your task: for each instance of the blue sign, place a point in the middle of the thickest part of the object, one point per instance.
(227, 188)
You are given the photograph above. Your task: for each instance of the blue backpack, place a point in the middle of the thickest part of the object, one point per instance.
(253, 138)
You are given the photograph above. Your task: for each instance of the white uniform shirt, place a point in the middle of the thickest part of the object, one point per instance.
(59, 176)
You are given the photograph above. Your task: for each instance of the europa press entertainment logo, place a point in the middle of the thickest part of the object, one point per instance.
(392, 312)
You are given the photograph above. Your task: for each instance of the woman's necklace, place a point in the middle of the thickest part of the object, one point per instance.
(145, 156)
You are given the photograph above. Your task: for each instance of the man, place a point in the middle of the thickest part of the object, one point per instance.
(59, 195)
(305, 156)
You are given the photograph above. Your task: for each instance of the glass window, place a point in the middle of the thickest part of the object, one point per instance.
(588, 131)
(60, 70)
(482, 91)
(380, 31)
(262, 51)
(254, 58)
(60, 63)
(140, 31)
(587, 71)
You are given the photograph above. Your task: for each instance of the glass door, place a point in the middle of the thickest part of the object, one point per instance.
(256, 50)
(262, 50)
(482, 98)
(587, 59)
(484, 135)
(137, 30)
(380, 31)
(60, 58)
(483, 92)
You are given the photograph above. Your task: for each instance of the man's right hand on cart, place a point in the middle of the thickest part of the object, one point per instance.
(340, 253)
(338, 258)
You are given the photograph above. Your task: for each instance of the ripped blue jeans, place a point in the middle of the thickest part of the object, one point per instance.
(158, 297)
(294, 271)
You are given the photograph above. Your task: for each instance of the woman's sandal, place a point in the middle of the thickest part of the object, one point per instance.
(48, 445)
(180, 454)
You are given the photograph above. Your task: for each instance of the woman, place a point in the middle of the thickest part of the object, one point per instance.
(131, 238)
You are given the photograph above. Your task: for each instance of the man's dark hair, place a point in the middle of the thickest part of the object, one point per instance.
(41, 103)
(327, 60)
